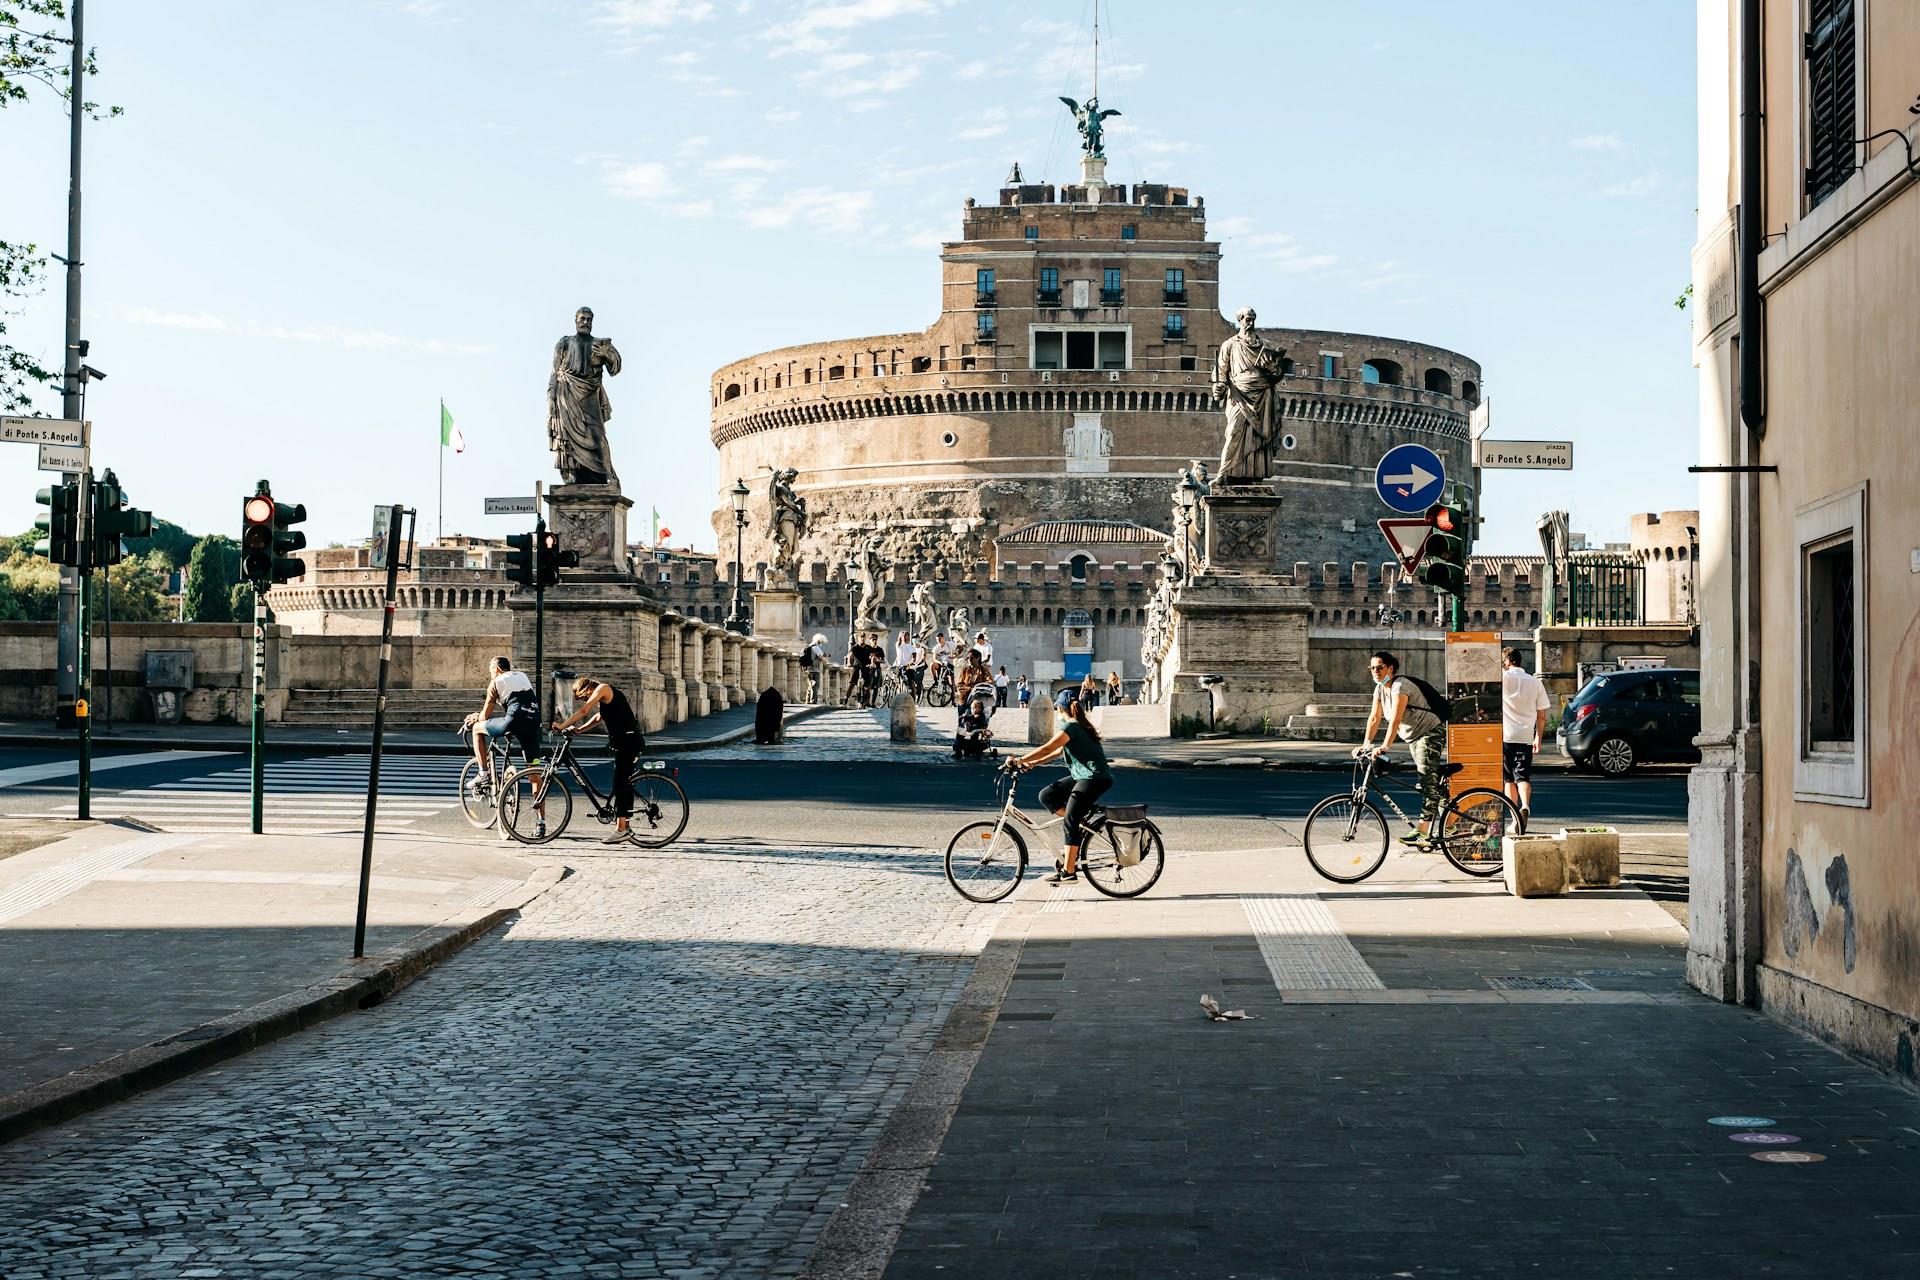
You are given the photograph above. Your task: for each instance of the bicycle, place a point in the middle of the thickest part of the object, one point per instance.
(1121, 855)
(534, 791)
(939, 686)
(477, 800)
(1346, 834)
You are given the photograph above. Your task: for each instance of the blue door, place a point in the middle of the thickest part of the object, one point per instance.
(1079, 665)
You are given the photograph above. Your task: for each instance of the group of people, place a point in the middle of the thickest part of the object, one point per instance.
(1414, 712)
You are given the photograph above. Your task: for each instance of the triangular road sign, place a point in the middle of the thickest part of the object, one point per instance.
(1406, 539)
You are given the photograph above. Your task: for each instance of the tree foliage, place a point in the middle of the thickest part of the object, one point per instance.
(169, 539)
(209, 588)
(139, 585)
(33, 51)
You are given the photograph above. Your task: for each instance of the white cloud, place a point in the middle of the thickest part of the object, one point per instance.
(321, 335)
(1282, 250)
(882, 74)
(690, 146)
(781, 115)
(822, 208)
(635, 16)
(976, 70)
(685, 58)
(1237, 225)
(743, 164)
(821, 27)
(980, 133)
(646, 181)
(1632, 188)
(1597, 142)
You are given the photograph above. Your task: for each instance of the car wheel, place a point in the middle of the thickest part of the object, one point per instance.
(1613, 756)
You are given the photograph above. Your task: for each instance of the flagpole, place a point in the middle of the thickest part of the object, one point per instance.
(440, 515)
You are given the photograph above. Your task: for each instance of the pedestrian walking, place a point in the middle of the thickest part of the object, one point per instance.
(1089, 691)
(1026, 692)
(813, 659)
(1000, 688)
(1399, 702)
(1523, 723)
(1115, 691)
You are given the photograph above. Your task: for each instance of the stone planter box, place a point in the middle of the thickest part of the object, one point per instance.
(1593, 856)
(1535, 867)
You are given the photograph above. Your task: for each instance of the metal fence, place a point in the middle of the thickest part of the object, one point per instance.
(1600, 591)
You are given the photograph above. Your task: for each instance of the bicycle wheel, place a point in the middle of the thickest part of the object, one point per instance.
(940, 694)
(537, 805)
(1346, 841)
(1100, 861)
(659, 810)
(1474, 826)
(474, 802)
(982, 867)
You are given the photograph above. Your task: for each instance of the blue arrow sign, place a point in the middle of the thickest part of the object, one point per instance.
(1410, 478)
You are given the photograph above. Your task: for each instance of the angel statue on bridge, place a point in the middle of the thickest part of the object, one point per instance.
(1088, 120)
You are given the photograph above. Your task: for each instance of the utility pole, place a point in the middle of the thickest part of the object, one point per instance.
(71, 642)
(380, 717)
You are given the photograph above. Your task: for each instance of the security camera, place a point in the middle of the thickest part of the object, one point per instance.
(87, 371)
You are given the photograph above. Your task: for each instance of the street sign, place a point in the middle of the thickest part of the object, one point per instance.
(1406, 539)
(512, 506)
(1410, 478)
(60, 457)
(1524, 455)
(65, 431)
(382, 527)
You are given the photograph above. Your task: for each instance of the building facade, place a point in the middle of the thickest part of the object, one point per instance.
(1068, 376)
(1806, 283)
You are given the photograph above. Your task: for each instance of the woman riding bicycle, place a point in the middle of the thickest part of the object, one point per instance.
(597, 703)
(1088, 775)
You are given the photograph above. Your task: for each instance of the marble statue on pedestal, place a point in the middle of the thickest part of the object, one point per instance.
(1244, 379)
(872, 568)
(577, 404)
(923, 614)
(786, 519)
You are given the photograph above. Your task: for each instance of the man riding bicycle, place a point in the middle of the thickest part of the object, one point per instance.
(512, 708)
(1399, 701)
(1088, 776)
(911, 658)
(602, 704)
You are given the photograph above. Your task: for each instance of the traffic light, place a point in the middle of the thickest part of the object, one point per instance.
(520, 558)
(553, 559)
(1443, 560)
(268, 538)
(113, 520)
(59, 526)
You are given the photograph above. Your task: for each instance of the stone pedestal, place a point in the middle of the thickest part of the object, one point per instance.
(779, 616)
(592, 520)
(1239, 651)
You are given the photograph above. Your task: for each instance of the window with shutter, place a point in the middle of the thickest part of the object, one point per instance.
(1830, 96)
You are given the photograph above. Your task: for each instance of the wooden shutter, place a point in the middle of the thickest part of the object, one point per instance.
(1830, 96)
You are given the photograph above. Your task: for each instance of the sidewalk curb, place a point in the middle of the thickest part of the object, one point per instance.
(857, 1242)
(362, 985)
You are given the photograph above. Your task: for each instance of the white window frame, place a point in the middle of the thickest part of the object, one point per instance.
(1827, 776)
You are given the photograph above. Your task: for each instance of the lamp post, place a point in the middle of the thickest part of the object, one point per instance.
(737, 619)
(1186, 496)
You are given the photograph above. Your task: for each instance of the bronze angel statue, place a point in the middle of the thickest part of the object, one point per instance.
(1088, 120)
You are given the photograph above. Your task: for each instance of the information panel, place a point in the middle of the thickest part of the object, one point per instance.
(1473, 687)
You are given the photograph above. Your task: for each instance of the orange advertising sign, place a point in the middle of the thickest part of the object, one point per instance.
(1473, 687)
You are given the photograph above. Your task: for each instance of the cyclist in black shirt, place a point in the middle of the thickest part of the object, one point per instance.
(597, 703)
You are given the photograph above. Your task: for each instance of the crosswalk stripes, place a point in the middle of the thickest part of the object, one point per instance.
(303, 796)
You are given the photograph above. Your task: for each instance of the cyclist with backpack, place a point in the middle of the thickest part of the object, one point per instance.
(512, 708)
(1416, 713)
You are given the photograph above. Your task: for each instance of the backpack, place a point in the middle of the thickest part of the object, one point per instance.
(806, 656)
(1437, 702)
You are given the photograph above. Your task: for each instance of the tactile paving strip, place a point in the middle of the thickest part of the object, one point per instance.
(1303, 946)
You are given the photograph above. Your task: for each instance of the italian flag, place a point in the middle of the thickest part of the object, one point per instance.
(449, 434)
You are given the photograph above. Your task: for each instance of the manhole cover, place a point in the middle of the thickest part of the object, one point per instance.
(1539, 984)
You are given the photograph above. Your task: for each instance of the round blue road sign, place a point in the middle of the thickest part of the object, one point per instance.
(1410, 478)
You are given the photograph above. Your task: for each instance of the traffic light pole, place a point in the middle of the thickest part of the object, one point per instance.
(71, 639)
(259, 733)
(83, 654)
(379, 722)
(539, 607)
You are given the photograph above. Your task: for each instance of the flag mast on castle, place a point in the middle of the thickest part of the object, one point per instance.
(1091, 121)
(450, 437)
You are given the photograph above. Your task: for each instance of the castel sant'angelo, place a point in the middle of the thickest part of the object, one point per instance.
(1068, 376)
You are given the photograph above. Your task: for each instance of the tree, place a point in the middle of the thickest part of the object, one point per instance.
(139, 585)
(175, 543)
(240, 602)
(209, 589)
(36, 53)
(29, 587)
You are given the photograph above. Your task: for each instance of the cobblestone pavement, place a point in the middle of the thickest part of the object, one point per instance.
(673, 1065)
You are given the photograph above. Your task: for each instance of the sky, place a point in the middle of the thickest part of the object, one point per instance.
(315, 222)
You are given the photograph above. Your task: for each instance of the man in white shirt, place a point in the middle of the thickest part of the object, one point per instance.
(1399, 703)
(984, 647)
(912, 661)
(1523, 722)
(510, 708)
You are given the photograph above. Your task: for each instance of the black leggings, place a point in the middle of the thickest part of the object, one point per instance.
(1077, 797)
(626, 754)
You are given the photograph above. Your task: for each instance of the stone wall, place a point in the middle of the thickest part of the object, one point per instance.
(419, 662)
(222, 661)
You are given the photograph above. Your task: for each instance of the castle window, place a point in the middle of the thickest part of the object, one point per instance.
(1077, 567)
(1047, 349)
(983, 326)
(983, 287)
(1080, 349)
(1439, 380)
(806, 376)
(1112, 291)
(1470, 392)
(1329, 365)
(836, 372)
(1113, 349)
(1831, 92)
(1129, 232)
(1176, 287)
(1381, 373)
(1187, 364)
(1049, 287)
(732, 391)
(1033, 233)
(1176, 326)
(922, 363)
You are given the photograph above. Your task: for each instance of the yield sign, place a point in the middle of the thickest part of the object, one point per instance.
(1406, 539)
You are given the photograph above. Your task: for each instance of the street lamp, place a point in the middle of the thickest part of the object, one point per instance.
(737, 619)
(1186, 496)
(853, 567)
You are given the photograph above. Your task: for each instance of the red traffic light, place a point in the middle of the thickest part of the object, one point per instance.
(1440, 517)
(259, 510)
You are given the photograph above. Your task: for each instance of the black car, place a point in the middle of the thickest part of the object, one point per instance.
(1625, 718)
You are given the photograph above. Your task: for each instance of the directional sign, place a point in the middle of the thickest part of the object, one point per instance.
(65, 431)
(1406, 539)
(1410, 478)
(1524, 455)
(512, 506)
(60, 457)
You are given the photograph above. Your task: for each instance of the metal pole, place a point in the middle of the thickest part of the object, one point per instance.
(69, 635)
(539, 601)
(379, 727)
(258, 735)
(106, 600)
(82, 711)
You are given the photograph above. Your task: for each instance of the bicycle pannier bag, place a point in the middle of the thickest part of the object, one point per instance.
(1130, 834)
